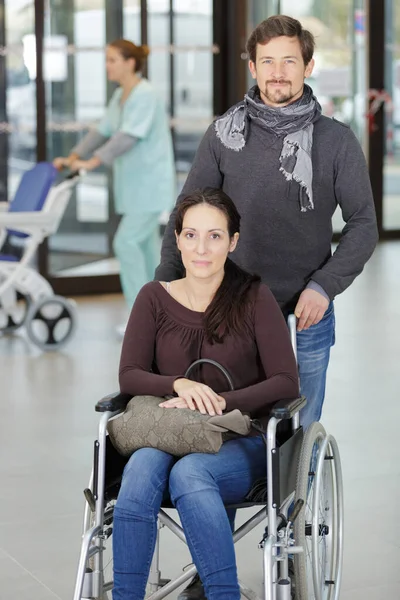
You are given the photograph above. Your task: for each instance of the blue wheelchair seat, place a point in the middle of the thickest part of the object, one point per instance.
(8, 257)
(32, 191)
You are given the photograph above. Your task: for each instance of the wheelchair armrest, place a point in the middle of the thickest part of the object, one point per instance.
(286, 409)
(113, 402)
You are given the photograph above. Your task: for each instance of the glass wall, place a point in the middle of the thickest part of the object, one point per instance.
(180, 67)
(179, 34)
(391, 181)
(17, 95)
(76, 95)
(193, 77)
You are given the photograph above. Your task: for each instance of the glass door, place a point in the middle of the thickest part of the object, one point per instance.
(339, 79)
(391, 99)
(17, 95)
(76, 97)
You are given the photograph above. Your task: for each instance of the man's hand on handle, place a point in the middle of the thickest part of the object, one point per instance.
(310, 309)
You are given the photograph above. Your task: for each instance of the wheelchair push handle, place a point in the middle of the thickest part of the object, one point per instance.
(75, 174)
(292, 324)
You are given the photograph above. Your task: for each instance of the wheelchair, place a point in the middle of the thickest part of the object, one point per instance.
(299, 506)
(26, 298)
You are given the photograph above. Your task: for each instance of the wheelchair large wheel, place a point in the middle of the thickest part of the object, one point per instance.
(51, 322)
(10, 323)
(319, 526)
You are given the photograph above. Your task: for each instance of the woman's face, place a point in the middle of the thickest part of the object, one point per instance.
(204, 241)
(118, 68)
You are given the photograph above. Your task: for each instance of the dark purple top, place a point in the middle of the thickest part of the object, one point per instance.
(163, 338)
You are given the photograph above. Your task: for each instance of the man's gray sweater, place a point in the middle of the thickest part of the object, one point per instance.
(286, 247)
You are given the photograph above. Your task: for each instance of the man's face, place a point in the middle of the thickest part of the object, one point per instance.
(280, 71)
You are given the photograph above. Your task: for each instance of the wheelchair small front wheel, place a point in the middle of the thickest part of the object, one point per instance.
(51, 322)
(319, 526)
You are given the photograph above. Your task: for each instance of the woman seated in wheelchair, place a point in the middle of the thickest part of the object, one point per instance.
(220, 312)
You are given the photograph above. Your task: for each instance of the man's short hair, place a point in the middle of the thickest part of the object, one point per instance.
(277, 26)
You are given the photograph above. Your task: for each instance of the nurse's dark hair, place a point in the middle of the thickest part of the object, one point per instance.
(226, 313)
(129, 50)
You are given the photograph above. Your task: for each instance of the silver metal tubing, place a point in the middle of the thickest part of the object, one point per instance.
(87, 511)
(92, 551)
(166, 520)
(87, 539)
(271, 449)
(340, 511)
(284, 509)
(249, 525)
(315, 519)
(269, 580)
(296, 422)
(154, 574)
(283, 591)
(173, 585)
(172, 525)
(101, 468)
(247, 592)
(272, 508)
(292, 323)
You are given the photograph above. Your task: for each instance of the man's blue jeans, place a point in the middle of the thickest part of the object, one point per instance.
(313, 352)
(199, 485)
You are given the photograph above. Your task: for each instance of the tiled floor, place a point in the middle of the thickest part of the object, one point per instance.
(48, 424)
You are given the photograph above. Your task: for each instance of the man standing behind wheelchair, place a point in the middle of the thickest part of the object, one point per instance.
(220, 312)
(287, 168)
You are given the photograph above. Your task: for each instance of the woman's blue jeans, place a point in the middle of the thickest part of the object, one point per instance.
(199, 486)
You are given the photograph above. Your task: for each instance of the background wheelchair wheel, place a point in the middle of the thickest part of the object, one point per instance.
(319, 532)
(51, 322)
(10, 323)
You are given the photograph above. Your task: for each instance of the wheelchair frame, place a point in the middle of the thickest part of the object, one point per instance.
(277, 544)
(20, 278)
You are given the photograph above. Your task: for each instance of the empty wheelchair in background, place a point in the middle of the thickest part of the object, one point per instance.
(26, 298)
(300, 511)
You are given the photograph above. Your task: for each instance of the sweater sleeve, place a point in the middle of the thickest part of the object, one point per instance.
(115, 146)
(360, 234)
(92, 140)
(277, 358)
(204, 173)
(137, 356)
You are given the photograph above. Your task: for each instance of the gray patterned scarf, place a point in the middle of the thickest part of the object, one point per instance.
(294, 122)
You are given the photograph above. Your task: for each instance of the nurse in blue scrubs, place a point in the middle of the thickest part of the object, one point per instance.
(134, 137)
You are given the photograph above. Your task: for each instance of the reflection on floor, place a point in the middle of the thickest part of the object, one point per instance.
(48, 426)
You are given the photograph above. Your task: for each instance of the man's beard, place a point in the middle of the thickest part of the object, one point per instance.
(278, 96)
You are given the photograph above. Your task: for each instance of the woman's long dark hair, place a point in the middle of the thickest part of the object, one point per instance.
(226, 313)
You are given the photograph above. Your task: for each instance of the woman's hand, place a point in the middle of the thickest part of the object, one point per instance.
(196, 396)
(61, 162)
(85, 165)
(64, 162)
